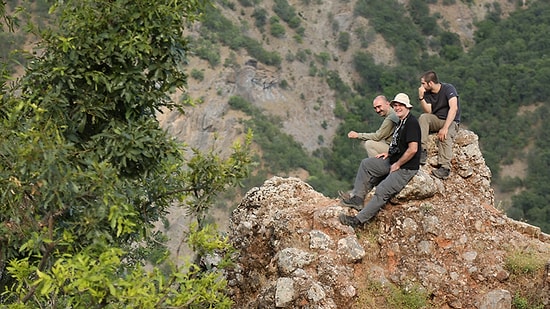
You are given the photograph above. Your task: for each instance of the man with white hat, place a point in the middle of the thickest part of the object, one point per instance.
(390, 171)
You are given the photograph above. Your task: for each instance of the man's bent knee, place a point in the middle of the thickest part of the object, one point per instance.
(375, 147)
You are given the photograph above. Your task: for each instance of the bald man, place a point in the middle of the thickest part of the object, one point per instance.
(379, 141)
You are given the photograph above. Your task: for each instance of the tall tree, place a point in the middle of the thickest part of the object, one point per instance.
(86, 170)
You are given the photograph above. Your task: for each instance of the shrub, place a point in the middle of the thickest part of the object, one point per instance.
(260, 17)
(414, 297)
(239, 103)
(323, 58)
(277, 30)
(344, 39)
(301, 55)
(524, 262)
(520, 302)
(197, 74)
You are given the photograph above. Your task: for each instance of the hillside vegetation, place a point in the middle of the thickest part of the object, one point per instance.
(86, 170)
(358, 49)
(500, 73)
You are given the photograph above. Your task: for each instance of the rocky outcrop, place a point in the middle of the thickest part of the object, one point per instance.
(443, 238)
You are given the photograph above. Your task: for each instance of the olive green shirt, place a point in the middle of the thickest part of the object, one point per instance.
(385, 132)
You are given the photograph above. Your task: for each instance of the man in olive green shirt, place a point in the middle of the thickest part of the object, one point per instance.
(379, 141)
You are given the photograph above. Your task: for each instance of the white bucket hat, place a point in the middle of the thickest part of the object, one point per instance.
(402, 98)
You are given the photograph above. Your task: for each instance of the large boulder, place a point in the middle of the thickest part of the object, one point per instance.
(444, 238)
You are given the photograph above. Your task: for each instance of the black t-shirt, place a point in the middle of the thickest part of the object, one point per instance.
(440, 101)
(408, 132)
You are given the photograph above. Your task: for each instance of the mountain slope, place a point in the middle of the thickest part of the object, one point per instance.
(307, 102)
(296, 90)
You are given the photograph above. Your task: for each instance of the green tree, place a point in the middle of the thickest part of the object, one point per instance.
(260, 15)
(86, 170)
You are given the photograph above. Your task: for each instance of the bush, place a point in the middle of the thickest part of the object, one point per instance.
(286, 13)
(238, 103)
(197, 74)
(411, 298)
(208, 51)
(260, 17)
(277, 30)
(520, 302)
(524, 262)
(294, 22)
(344, 39)
(323, 58)
(302, 55)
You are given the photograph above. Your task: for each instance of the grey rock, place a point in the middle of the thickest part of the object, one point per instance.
(289, 259)
(496, 299)
(284, 293)
(351, 249)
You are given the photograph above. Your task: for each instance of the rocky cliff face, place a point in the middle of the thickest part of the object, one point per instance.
(445, 240)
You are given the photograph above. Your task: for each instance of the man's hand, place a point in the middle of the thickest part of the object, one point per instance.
(421, 91)
(426, 107)
(383, 155)
(394, 167)
(442, 134)
(353, 134)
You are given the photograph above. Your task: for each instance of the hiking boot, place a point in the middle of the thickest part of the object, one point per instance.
(442, 173)
(354, 202)
(349, 220)
(423, 156)
(344, 195)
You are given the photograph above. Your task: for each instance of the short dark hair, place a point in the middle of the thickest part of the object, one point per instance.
(430, 76)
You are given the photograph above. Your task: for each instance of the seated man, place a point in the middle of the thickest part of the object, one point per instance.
(442, 115)
(389, 172)
(378, 142)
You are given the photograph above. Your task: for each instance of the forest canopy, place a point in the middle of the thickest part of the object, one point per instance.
(86, 170)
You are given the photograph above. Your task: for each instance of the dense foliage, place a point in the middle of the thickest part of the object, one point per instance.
(86, 171)
(219, 29)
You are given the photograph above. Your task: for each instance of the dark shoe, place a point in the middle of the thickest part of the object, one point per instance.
(354, 202)
(442, 173)
(349, 220)
(423, 156)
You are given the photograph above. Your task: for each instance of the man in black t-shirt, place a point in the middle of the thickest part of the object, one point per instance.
(442, 115)
(390, 171)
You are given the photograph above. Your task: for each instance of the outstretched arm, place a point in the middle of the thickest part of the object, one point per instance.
(385, 130)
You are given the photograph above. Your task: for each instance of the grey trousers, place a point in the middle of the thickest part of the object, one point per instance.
(376, 172)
